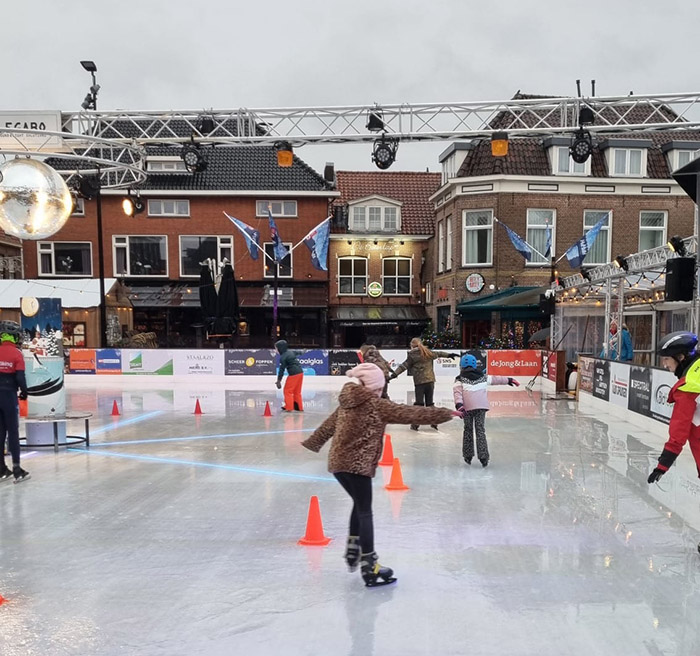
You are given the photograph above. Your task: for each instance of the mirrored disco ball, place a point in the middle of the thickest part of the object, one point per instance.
(34, 199)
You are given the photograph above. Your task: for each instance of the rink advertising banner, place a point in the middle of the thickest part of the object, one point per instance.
(601, 379)
(208, 362)
(314, 363)
(640, 391)
(109, 361)
(619, 384)
(585, 374)
(340, 361)
(514, 363)
(153, 362)
(82, 361)
(260, 362)
(447, 366)
(661, 383)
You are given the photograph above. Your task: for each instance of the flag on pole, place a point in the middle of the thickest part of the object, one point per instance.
(548, 244)
(278, 248)
(518, 242)
(251, 236)
(577, 253)
(317, 243)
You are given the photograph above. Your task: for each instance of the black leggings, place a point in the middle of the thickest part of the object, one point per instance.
(9, 424)
(424, 394)
(361, 522)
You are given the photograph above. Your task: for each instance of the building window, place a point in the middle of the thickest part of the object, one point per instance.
(684, 157)
(195, 249)
(396, 275)
(168, 207)
(477, 237)
(279, 208)
(375, 218)
(441, 247)
(448, 243)
(64, 258)
(428, 293)
(652, 230)
(284, 267)
(142, 256)
(78, 207)
(564, 165)
(627, 161)
(352, 275)
(166, 165)
(600, 253)
(540, 230)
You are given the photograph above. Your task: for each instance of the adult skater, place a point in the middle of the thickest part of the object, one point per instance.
(472, 402)
(679, 355)
(419, 364)
(11, 379)
(357, 427)
(295, 377)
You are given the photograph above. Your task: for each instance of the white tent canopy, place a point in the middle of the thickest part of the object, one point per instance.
(80, 293)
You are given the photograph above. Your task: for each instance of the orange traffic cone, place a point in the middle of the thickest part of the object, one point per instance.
(314, 527)
(267, 412)
(2, 600)
(197, 408)
(115, 409)
(396, 482)
(388, 455)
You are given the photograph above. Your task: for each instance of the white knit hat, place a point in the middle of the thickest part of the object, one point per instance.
(370, 375)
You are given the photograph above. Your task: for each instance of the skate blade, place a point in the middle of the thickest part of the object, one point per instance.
(377, 584)
(21, 480)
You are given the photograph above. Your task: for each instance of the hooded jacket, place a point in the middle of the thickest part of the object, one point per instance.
(469, 389)
(357, 428)
(288, 360)
(419, 367)
(372, 355)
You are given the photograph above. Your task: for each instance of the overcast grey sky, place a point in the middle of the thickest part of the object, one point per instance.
(165, 54)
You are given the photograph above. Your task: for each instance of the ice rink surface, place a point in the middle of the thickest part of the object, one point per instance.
(177, 534)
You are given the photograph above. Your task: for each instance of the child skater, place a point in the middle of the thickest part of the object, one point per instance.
(472, 402)
(357, 427)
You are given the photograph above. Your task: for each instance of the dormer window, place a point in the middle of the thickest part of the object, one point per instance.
(560, 158)
(165, 165)
(626, 158)
(375, 214)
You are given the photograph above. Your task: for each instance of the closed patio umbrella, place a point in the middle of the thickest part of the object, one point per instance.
(539, 336)
(227, 303)
(207, 293)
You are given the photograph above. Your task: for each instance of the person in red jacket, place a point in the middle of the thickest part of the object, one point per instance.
(679, 355)
(11, 379)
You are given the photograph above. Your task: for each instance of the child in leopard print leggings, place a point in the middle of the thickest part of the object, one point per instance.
(472, 402)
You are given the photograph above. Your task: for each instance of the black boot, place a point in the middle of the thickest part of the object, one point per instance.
(484, 462)
(468, 460)
(19, 474)
(415, 427)
(373, 574)
(5, 473)
(352, 552)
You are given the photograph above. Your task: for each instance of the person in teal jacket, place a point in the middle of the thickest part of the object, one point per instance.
(295, 377)
(626, 351)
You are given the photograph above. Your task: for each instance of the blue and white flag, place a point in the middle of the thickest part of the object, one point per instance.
(577, 253)
(317, 242)
(518, 242)
(278, 248)
(251, 236)
(548, 244)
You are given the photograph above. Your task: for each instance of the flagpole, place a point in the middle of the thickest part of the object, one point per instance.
(305, 237)
(274, 302)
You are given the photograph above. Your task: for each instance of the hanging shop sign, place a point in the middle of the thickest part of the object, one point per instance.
(374, 289)
(475, 283)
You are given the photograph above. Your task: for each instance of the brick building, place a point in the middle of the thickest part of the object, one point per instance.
(377, 257)
(627, 179)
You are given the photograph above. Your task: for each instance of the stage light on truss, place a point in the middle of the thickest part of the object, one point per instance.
(193, 159)
(285, 154)
(384, 152)
(677, 246)
(581, 147)
(621, 263)
(499, 144)
(375, 122)
(132, 204)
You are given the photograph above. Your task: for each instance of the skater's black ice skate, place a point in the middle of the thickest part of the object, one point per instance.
(20, 474)
(468, 460)
(414, 427)
(373, 574)
(484, 462)
(352, 553)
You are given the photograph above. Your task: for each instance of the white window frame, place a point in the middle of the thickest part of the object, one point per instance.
(557, 152)
(222, 242)
(268, 264)
(428, 293)
(363, 225)
(353, 276)
(396, 277)
(179, 204)
(662, 229)
(642, 163)
(279, 208)
(166, 165)
(441, 246)
(607, 228)
(128, 274)
(676, 164)
(465, 228)
(537, 226)
(448, 243)
(79, 209)
(43, 250)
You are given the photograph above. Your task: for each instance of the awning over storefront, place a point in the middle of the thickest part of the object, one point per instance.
(377, 315)
(511, 300)
(80, 293)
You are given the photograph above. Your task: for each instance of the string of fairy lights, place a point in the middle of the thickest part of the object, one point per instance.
(640, 295)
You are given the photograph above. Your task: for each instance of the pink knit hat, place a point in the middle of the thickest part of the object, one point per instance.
(370, 375)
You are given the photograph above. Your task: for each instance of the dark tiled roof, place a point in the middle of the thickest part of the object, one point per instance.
(412, 188)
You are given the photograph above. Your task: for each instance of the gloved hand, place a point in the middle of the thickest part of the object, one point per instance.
(454, 355)
(655, 475)
(513, 383)
(23, 395)
(393, 377)
(279, 384)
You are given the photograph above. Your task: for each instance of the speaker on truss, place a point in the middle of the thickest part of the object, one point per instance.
(547, 304)
(680, 275)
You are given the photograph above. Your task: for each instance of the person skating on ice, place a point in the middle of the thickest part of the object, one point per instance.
(472, 402)
(419, 364)
(12, 379)
(357, 428)
(295, 377)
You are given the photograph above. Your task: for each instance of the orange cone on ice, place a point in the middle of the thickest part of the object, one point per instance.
(115, 409)
(197, 408)
(314, 527)
(267, 412)
(388, 455)
(396, 482)
(2, 600)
